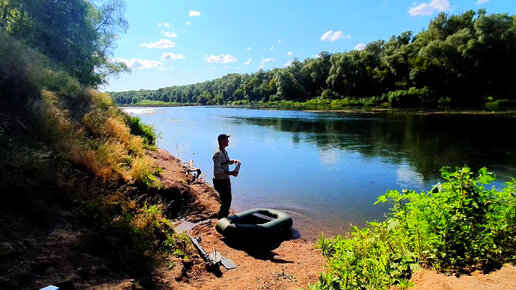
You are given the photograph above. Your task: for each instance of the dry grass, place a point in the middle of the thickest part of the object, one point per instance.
(99, 99)
(141, 168)
(110, 151)
(117, 129)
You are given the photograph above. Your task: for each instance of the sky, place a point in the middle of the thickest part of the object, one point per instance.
(179, 42)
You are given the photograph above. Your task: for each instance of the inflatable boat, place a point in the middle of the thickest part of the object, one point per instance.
(255, 223)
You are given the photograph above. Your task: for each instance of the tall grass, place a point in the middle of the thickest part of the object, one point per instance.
(81, 124)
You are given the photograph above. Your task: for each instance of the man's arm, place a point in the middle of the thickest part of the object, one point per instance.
(217, 167)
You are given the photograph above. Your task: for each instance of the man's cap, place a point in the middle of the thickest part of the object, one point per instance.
(223, 136)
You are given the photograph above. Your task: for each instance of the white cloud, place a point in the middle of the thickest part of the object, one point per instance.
(194, 13)
(332, 36)
(237, 67)
(169, 34)
(279, 41)
(264, 60)
(429, 8)
(480, 2)
(165, 24)
(248, 61)
(289, 53)
(221, 58)
(226, 66)
(188, 22)
(162, 43)
(360, 46)
(271, 48)
(249, 48)
(136, 63)
(289, 63)
(171, 56)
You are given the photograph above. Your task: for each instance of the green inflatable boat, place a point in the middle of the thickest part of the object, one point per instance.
(255, 223)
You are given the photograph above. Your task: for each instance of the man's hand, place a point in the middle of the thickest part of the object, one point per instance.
(233, 161)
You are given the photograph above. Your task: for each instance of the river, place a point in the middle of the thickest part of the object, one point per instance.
(327, 169)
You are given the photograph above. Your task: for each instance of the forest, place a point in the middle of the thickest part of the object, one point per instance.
(459, 61)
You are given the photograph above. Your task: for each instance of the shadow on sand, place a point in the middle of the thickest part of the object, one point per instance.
(261, 248)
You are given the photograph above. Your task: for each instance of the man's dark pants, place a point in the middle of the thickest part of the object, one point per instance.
(223, 187)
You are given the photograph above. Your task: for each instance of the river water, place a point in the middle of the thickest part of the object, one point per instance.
(327, 169)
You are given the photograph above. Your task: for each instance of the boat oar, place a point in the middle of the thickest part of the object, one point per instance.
(215, 258)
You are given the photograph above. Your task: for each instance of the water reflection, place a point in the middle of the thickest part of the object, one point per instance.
(427, 142)
(326, 170)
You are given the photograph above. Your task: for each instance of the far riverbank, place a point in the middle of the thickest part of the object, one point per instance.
(328, 109)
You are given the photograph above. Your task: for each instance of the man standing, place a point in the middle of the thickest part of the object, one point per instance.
(221, 174)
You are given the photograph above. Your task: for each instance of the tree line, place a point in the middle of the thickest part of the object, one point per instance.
(458, 61)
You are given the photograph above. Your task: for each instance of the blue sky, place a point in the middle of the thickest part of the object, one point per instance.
(178, 42)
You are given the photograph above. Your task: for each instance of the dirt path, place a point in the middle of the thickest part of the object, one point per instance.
(292, 265)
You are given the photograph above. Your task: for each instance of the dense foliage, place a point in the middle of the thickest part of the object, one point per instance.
(75, 34)
(457, 61)
(459, 225)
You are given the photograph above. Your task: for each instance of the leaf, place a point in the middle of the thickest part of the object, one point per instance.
(381, 199)
(392, 223)
(446, 172)
(437, 188)
(485, 177)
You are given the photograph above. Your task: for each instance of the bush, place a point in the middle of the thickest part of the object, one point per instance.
(499, 105)
(412, 97)
(143, 130)
(458, 226)
(329, 95)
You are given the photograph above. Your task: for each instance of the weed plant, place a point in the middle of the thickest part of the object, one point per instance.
(130, 236)
(458, 226)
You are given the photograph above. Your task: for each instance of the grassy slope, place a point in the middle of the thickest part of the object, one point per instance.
(72, 204)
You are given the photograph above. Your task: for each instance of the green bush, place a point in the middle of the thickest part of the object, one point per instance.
(329, 95)
(412, 97)
(143, 130)
(457, 226)
(499, 105)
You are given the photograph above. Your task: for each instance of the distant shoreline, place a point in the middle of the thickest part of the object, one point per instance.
(370, 110)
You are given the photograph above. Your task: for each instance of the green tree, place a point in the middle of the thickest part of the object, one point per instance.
(76, 34)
